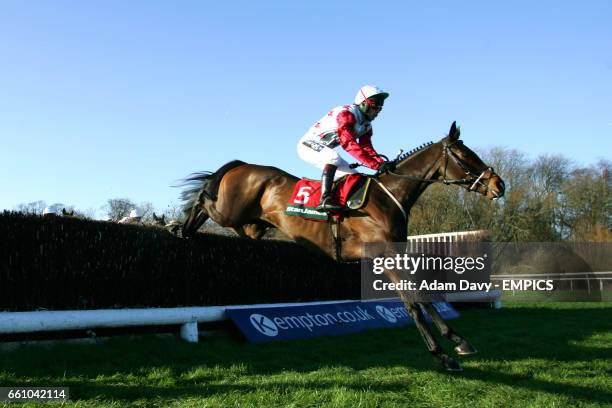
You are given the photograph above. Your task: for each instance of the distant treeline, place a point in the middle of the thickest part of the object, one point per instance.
(547, 199)
(66, 263)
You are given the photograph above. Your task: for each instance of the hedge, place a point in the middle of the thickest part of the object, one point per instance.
(68, 264)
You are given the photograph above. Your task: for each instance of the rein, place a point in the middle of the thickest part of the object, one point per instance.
(474, 180)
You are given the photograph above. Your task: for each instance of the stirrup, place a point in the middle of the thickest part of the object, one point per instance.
(326, 205)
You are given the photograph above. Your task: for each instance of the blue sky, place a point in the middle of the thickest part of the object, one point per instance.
(109, 99)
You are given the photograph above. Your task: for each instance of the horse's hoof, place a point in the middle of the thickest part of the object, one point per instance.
(465, 349)
(450, 365)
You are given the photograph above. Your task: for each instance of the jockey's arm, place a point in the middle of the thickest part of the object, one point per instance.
(363, 151)
(365, 142)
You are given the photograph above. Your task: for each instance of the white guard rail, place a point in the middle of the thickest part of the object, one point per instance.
(187, 317)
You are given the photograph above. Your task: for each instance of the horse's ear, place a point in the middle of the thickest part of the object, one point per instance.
(155, 216)
(454, 132)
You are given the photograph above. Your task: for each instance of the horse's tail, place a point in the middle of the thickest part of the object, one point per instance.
(205, 184)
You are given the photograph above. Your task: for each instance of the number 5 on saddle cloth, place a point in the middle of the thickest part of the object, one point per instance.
(349, 191)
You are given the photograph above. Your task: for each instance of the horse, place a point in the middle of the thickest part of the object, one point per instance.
(159, 221)
(68, 213)
(172, 226)
(251, 198)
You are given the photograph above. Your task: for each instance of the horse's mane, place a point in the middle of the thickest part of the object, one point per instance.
(406, 155)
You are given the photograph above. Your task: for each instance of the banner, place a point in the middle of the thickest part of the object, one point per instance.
(260, 324)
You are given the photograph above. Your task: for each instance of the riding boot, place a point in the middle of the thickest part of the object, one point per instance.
(327, 180)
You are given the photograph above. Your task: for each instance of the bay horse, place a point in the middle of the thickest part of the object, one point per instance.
(159, 221)
(67, 213)
(172, 226)
(250, 198)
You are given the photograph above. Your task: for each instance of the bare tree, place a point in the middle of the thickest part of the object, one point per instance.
(117, 208)
(35, 207)
(587, 198)
(174, 211)
(146, 210)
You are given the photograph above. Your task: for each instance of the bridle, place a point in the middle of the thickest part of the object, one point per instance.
(473, 180)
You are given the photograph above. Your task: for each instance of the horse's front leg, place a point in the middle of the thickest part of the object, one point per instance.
(417, 315)
(463, 347)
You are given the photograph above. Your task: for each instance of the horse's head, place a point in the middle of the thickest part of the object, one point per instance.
(460, 165)
(67, 213)
(159, 221)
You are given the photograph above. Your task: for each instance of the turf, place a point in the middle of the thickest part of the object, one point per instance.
(530, 355)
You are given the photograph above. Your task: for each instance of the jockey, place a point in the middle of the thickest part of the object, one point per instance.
(134, 217)
(49, 212)
(347, 126)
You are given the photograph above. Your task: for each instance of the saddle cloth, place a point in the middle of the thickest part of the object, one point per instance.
(349, 191)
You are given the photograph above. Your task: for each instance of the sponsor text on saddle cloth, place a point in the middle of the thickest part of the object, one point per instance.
(349, 191)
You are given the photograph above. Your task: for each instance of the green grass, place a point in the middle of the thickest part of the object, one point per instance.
(530, 355)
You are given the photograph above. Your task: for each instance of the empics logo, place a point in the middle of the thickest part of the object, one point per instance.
(386, 314)
(264, 325)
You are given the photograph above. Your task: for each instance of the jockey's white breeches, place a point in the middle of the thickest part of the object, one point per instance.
(321, 156)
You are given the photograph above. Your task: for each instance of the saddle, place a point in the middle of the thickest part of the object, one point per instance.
(349, 191)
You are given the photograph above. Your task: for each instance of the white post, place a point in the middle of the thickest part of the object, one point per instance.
(189, 332)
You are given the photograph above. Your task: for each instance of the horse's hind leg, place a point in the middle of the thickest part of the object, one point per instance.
(463, 347)
(253, 231)
(197, 217)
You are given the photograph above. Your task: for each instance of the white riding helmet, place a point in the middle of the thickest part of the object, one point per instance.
(369, 91)
(49, 210)
(135, 213)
